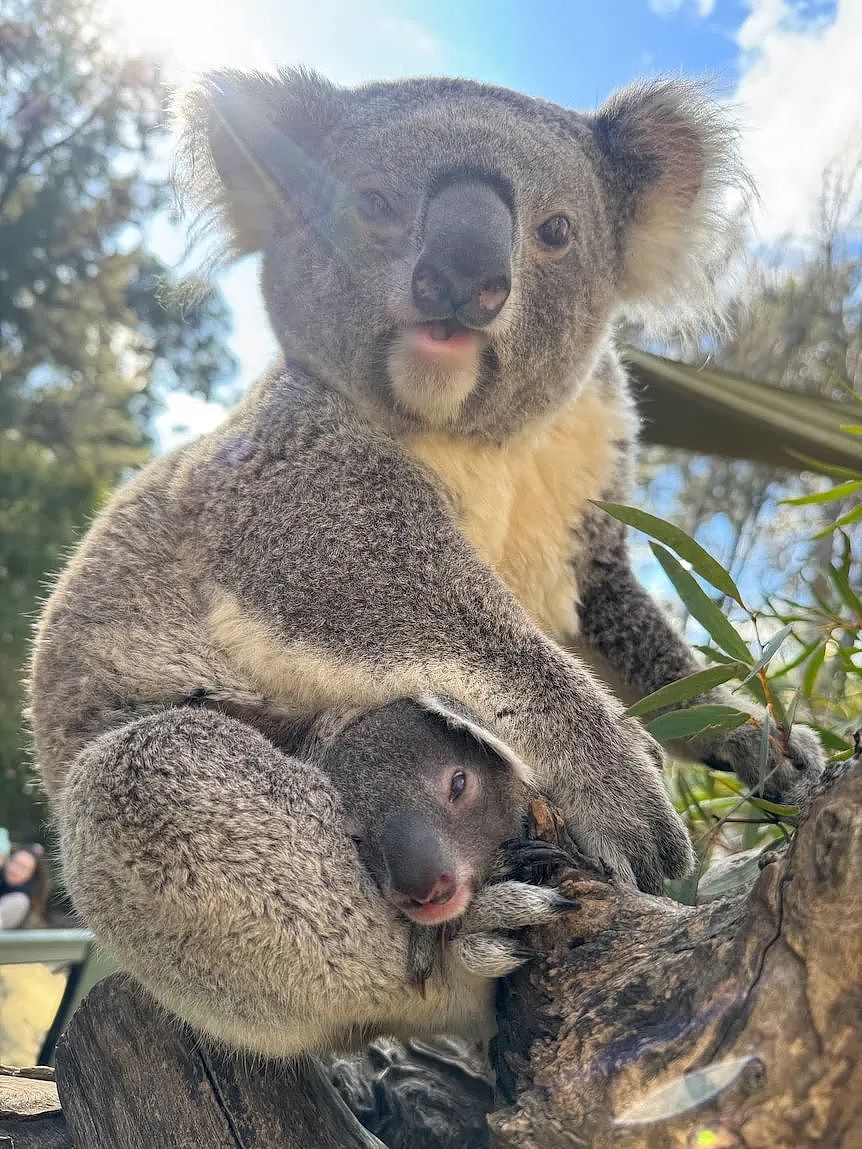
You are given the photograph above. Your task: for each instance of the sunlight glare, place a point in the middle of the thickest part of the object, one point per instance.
(187, 35)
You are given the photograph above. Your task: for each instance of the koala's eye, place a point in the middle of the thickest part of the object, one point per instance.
(555, 231)
(457, 786)
(375, 207)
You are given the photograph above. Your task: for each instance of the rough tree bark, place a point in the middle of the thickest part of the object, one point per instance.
(732, 1025)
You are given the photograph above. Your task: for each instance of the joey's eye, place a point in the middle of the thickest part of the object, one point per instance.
(458, 785)
(375, 207)
(555, 231)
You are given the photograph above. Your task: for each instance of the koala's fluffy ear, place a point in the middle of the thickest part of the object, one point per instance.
(671, 165)
(459, 718)
(247, 141)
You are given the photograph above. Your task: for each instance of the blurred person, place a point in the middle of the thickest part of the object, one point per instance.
(23, 886)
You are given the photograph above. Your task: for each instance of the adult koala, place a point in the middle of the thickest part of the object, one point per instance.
(400, 509)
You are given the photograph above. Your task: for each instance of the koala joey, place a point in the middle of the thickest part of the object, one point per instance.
(401, 508)
(436, 805)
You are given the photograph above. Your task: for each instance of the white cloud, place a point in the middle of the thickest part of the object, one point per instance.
(668, 7)
(800, 99)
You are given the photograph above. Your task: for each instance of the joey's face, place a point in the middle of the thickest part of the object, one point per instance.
(428, 807)
(437, 849)
(450, 253)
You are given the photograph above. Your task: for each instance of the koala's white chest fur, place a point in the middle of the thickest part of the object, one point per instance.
(518, 502)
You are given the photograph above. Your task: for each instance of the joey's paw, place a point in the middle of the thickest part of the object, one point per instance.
(792, 778)
(483, 945)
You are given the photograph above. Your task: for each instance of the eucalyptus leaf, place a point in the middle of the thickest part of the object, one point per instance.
(768, 652)
(812, 669)
(684, 688)
(735, 872)
(702, 607)
(852, 516)
(694, 720)
(679, 541)
(763, 752)
(841, 491)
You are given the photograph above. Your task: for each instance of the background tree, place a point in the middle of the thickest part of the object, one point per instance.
(87, 346)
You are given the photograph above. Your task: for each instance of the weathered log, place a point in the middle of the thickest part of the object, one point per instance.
(30, 1116)
(131, 1077)
(736, 1025)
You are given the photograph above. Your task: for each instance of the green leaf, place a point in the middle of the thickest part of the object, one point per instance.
(853, 428)
(775, 808)
(831, 740)
(812, 669)
(841, 491)
(702, 607)
(852, 516)
(763, 752)
(790, 709)
(826, 468)
(840, 577)
(684, 688)
(797, 660)
(768, 652)
(679, 541)
(695, 720)
(715, 655)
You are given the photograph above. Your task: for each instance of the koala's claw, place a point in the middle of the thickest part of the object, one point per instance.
(521, 856)
(513, 905)
(793, 777)
(423, 949)
(491, 955)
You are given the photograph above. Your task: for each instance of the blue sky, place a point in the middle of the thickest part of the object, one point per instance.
(792, 68)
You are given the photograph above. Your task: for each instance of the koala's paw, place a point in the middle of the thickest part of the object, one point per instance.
(483, 945)
(793, 777)
(623, 815)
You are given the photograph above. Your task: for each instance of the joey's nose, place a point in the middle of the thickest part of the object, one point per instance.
(465, 267)
(421, 870)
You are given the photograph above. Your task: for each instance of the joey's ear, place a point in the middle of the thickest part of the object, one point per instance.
(458, 717)
(247, 142)
(671, 166)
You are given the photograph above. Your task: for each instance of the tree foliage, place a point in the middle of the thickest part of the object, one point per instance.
(87, 345)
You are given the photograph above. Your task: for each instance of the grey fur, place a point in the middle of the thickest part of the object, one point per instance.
(393, 767)
(303, 558)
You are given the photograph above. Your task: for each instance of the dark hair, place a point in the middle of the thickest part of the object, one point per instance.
(41, 878)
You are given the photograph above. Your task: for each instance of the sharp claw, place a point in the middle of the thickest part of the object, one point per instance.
(565, 905)
(534, 852)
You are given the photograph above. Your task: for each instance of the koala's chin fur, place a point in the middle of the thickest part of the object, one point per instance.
(399, 509)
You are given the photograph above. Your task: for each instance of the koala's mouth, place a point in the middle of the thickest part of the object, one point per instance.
(443, 337)
(433, 913)
(442, 330)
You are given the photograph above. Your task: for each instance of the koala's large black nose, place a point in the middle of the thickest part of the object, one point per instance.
(465, 268)
(419, 869)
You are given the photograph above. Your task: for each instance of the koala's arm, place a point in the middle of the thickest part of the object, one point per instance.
(401, 605)
(636, 643)
(260, 927)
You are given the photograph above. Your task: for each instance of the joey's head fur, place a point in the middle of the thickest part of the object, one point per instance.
(429, 796)
(450, 253)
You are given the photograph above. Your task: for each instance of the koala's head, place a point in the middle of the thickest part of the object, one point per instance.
(450, 253)
(429, 796)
